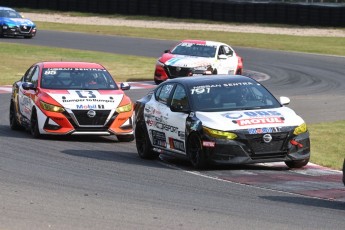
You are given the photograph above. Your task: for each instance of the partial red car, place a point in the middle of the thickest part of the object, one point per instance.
(71, 98)
(197, 57)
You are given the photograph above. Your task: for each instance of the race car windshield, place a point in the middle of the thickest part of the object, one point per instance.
(198, 50)
(73, 78)
(9, 14)
(232, 96)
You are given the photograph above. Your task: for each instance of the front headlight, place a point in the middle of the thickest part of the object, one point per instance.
(220, 134)
(160, 63)
(300, 129)
(125, 108)
(51, 108)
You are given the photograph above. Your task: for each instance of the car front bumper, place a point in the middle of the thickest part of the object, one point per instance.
(220, 151)
(19, 31)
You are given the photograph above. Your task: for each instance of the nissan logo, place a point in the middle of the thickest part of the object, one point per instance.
(178, 69)
(91, 113)
(267, 138)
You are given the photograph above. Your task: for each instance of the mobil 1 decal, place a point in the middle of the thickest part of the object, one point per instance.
(158, 138)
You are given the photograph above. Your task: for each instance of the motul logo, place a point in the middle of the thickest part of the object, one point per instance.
(255, 121)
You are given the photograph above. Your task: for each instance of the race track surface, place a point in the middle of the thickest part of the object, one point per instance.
(99, 183)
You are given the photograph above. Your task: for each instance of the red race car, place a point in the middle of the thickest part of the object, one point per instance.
(197, 57)
(71, 98)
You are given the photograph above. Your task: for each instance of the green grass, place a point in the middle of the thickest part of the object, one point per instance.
(20, 57)
(326, 138)
(327, 144)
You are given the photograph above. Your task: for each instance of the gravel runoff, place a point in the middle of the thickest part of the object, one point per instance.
(244, 28)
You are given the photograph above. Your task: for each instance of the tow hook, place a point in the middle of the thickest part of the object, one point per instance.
(295, 143)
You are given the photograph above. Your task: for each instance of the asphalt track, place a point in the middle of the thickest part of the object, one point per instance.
(98, 183)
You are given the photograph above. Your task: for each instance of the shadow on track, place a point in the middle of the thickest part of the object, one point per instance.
(338, 205)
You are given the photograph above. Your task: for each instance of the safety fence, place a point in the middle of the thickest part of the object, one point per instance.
(216, 10)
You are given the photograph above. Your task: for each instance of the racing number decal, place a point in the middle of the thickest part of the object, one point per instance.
(89, 94)
(200, 90)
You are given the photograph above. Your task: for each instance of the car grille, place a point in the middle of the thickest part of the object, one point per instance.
(174, 71)
(25, 29)
(265, 150)
(84, 119)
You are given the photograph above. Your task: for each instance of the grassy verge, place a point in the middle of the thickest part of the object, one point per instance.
(21, 57)
(326, 144)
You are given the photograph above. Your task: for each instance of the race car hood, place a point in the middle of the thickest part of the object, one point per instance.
(235, 120)
(87, 99)
(185, 61)
(18, 22)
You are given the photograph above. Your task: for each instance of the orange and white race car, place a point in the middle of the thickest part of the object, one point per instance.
(71, 98)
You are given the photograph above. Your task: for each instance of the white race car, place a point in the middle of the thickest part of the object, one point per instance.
(197, 57)
(222, 120)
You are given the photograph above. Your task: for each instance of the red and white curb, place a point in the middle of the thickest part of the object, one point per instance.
(311, 180)
(142, 85)
(5, 89)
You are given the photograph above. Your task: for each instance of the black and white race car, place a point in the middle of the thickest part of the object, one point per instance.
(222, 120)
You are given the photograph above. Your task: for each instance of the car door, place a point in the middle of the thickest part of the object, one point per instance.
(176, 122)
(26, 96)
(227, 60)
(156, 115)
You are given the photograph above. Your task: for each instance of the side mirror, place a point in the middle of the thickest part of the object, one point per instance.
(222, 56)
(28, 86)
(284, 100)
(125, 86)
(166, 51)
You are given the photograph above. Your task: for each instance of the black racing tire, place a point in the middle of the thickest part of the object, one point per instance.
(215, 72)
(14, 124)
(125, 138)
(195, 152)
(35, 132)
(297, 164)
(143, 144)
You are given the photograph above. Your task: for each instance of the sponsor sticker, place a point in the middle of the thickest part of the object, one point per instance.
(176, 144)
(267, 113)
(232, 115)
(256, 121)
(86, 106)
(264, 130)
(181, 134)
(158, 138)
(166, 127)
